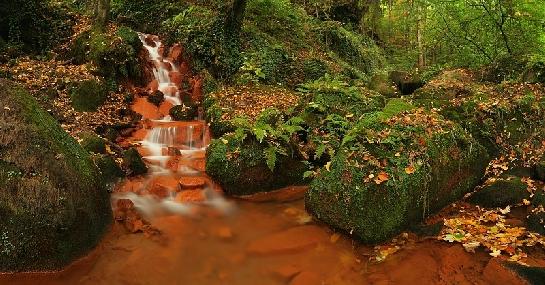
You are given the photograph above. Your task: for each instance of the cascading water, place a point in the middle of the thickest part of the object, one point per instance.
(173, 151)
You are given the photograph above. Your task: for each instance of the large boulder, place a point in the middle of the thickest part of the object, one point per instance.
(53, 205)
(393, 169)
(501, 192)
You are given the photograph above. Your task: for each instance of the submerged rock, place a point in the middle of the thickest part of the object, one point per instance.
(393, 169)
(53, 205)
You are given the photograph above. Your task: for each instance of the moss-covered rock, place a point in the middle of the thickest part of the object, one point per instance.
(392, 171)
(133, 161)
(114, 54)
(93, 143)
(184, 112)
(109, 169)
(498, 116)
(503, 191)
(240, 166)
(88, 96)
(406, 82)
(53, 205)
(156, 98)
(536, 217)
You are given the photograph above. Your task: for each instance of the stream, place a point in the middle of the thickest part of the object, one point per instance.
(195, 235)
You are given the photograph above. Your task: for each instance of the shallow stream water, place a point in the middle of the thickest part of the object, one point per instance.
(202, 237)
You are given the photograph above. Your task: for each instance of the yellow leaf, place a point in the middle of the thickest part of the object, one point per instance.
(381, 177)
(409, 169)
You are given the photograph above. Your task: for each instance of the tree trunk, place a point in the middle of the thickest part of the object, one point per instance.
(235, 17)
(419, 36)
(101, 13)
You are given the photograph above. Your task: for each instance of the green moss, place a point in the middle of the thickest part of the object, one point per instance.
(109, 169)
(93, 143)
(57, 208)
(88, 95)
(240, 167)
(183, 112)
(115, 56)
(447, 163)
(132, 160)
(501, 193)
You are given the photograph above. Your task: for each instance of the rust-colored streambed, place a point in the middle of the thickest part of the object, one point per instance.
(197, 236)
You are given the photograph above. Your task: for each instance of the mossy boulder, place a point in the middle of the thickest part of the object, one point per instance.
(184, 112)
(133, 161)
(392, 171)
(93, 143)
(156, 98)
(115, 54)
(89, 95)
(406, 82)
(240, 166)
(53, 205)
(109, 169)
(502, 192)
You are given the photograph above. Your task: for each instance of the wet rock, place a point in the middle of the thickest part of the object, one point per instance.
(224, 233)
(153, 85)
(292, 240)
(146, 109)
(175, 53)
(58, 207)
(159, 190)
(190, 196)
(286, 194)
(286, 272)
(132, 160)
(176, 77)
(165, 107)
(427, 230)
(506, 190)
(156, 98)
(306, 278)
(496, 272)
(192, 181)
(109, 169)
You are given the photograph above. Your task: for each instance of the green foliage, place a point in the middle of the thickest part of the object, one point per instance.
(33, 25)
(212, 46)
(88, 96)
(93, 143)
(277, 134)
(145, 15)
(356, 49)
(335, 95)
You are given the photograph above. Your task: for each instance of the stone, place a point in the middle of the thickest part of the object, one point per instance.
(306, 278)
(295, 239)
(192, 181)
(506, 190)
(496, 273)
(190, 196)
(286, 272)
